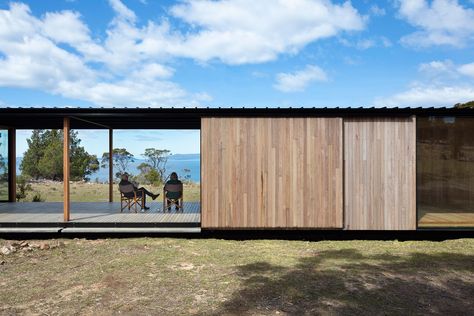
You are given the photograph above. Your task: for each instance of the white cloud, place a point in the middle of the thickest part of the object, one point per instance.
(246, 31)
(446, 69)
(377, 11)
(428, 96)
(385, 41)
(437, 68)
(299, 80)
(65, 27)
(56, 53)
(365, 44)
(128, 92)
(33, 59)
(122, 11)
(152, 72)
(441, 22)
(259, 74)
(444, 84)
(467, 69)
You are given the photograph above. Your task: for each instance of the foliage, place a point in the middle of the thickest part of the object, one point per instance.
(144, 168)
(186, 175)
(44, 157)
(2, 162)
(157, 159)
(50, 166)
(154, 177)
(22, 188)
(121, 159)
(466, 105)
(153, 170)
(83, 163)
(32, 157)
(37, 197)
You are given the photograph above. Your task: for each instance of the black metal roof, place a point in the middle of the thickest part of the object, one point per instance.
(188, 118)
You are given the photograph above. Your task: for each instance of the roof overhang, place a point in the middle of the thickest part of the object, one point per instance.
(186, 118)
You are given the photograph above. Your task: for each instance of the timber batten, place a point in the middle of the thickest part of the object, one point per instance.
(380, 175)
(66, 168)
(271, 172)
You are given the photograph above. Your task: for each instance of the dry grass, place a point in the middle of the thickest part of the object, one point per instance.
(206, 276)
(3, 190)
(52, 191)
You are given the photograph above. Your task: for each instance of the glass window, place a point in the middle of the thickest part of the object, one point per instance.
(3, 165)
(445, 171)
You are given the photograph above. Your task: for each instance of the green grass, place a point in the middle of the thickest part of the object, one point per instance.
(214, 277)
(3, 190)
(52, 191)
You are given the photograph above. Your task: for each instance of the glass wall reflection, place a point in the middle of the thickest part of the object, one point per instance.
(445, 171)
(3, 165)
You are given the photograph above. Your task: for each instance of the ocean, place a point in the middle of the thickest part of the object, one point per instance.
(176, 163)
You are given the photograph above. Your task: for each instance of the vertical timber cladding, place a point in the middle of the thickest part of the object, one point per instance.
(271, 172)
(380, 174)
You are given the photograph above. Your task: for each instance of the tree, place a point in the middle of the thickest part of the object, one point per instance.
(50, 165)
(121, 159)
(22, 188)
(466, 105)
(154, 177)
(2, 161)
(82, 163)
(2, 165)
(44, 157)
(157, 159)
(187, 175)
(31, 158)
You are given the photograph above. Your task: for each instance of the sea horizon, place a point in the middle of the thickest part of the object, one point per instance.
(176, 163)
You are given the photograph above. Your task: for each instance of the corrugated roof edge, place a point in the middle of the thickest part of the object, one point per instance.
(233, 108)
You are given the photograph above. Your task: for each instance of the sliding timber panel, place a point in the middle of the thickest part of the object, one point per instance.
(380, 174)
(271, 172)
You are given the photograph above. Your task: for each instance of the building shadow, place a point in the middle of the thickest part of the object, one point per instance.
(417, 284)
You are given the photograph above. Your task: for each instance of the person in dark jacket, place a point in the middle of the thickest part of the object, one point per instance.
(140, 191)
(173, 195)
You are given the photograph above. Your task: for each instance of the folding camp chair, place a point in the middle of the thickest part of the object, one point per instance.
(127, 200)
(176, 202)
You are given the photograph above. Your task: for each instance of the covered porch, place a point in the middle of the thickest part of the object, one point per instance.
(97, 217)
(90, 215)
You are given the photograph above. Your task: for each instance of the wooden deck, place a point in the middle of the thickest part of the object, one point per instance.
(428, 220)
(96, 214)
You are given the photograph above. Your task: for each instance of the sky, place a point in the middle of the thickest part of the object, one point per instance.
(95, 142)
(240, 53)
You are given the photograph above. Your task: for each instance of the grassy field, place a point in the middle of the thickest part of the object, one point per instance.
(165, 276)
(3, 190)
(52, 191)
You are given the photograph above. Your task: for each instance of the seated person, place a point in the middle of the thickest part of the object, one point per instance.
(139, 191)
(173, 195)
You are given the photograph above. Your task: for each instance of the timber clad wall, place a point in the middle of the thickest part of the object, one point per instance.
(271, 172)
(380, 174)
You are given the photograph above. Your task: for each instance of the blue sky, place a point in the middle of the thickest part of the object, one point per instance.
(236, 53)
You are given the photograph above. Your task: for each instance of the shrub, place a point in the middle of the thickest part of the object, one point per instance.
(37, 197)
(22, 188)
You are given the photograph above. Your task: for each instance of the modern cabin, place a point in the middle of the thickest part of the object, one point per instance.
(360, 169)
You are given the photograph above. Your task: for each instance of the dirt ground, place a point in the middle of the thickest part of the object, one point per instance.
(170, 276)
